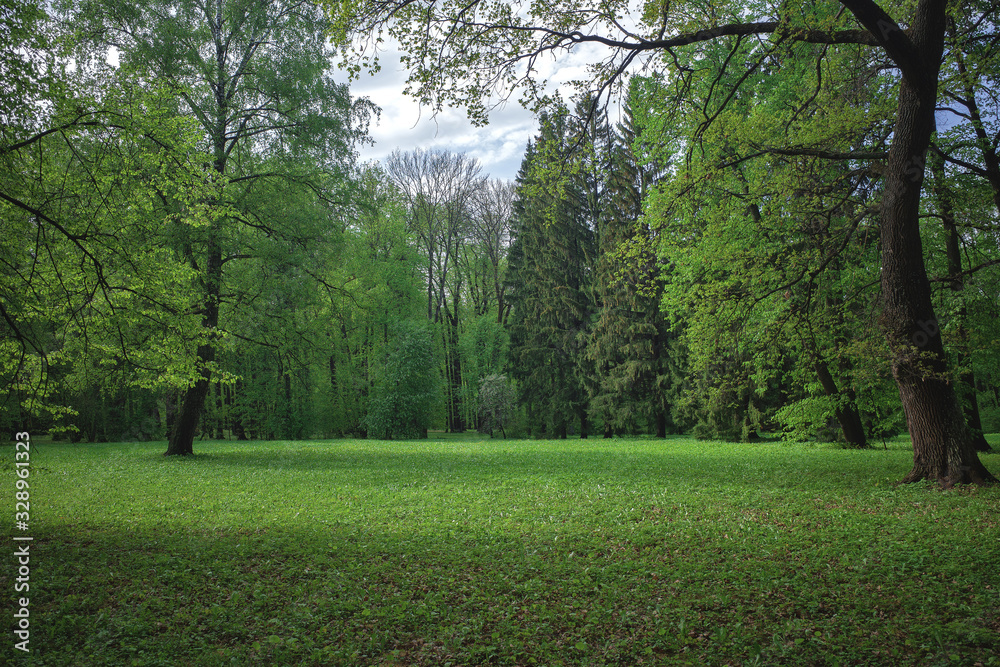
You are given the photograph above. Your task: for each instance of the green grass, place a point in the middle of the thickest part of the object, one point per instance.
(465, 552)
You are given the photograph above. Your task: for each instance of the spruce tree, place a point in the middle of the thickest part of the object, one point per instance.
(551, 263)
(636, 356)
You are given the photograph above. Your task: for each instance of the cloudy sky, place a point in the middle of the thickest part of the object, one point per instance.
(499, 146)
(403, 125)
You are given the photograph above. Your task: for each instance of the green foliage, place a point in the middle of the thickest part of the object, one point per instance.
(497, 404)
(95, 302)
(173, 209)
(638, 360)
(765, 224)
(638, 552)
(407, 385)
(549, 278)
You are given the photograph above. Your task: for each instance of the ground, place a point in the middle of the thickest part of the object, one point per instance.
(469, 552)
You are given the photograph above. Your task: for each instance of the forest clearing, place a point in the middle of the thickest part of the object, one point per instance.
(471, 551)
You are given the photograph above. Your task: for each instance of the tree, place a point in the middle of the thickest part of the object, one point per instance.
(407, 385)
(439, 187)
(634, 350)
(551, 261)
(375, 283)
(91, 295)
(461, 52)
(497, 404)
(768, 251)
(255, 76)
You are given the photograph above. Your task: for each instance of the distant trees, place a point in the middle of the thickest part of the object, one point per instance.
(551, 258)
(191, 247)
(639, 363)
(590, 347)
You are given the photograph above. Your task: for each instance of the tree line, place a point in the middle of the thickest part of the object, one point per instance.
(792, 111)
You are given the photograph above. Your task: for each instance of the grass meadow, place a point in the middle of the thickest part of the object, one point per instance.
(492, 552)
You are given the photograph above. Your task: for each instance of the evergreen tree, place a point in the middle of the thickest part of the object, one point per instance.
(551, 264)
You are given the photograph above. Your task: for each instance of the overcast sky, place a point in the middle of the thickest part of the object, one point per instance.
(499, 146)
(403, 125)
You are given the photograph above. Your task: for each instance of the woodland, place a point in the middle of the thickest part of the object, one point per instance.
(766, 219)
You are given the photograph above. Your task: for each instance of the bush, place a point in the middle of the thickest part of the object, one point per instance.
(407, 386)
(497, 404)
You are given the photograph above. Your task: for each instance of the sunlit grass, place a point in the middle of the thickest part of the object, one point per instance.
(469, 551)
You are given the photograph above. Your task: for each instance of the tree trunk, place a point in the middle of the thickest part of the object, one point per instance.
(181, 441)
(845, 411)
(661, 424)
(967, 380)
(456, 421)
(942, 444)
(186, 428)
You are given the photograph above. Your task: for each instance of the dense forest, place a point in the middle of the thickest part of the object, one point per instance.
(192, 248)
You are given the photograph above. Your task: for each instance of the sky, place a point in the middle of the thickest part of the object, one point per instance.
(404, 126)
(499, 146)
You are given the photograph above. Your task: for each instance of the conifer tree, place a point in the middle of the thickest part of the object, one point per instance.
(636, 356)
(551, 263)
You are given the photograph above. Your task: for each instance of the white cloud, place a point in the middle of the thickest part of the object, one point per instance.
(499, 146)
(404, 126)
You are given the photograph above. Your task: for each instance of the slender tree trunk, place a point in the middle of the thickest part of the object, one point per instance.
(942, 444)
(967, 379)
(181, 441)
(845, 411)
(456, 422)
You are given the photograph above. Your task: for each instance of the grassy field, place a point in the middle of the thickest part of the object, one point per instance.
(465, 552)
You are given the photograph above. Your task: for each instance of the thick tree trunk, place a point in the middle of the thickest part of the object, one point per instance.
(942, 444)
(186, 427)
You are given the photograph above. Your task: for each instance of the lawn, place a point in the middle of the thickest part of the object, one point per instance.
(473, 552)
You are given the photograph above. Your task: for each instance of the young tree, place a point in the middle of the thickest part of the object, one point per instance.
(407, 385)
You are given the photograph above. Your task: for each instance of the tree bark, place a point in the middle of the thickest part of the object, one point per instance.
(661, 424)
(456, 421)
(181, 441)
(845, 411)
(967, 380)
(942, 444)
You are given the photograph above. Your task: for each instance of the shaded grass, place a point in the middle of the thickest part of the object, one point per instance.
(465, 552)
